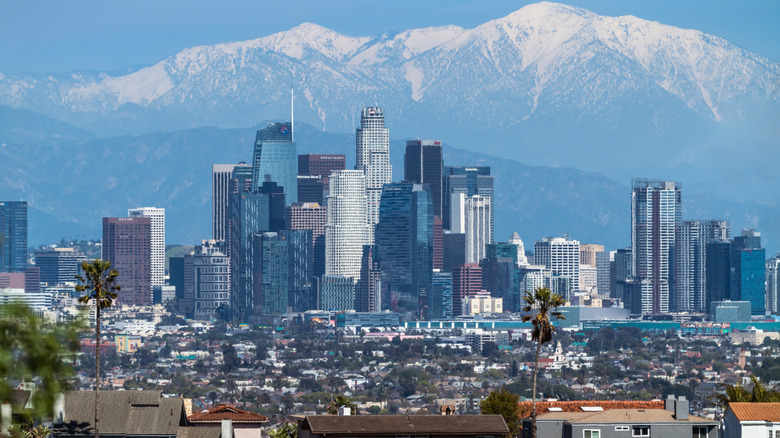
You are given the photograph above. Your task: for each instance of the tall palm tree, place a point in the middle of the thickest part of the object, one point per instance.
(540, 308)
(100, 284)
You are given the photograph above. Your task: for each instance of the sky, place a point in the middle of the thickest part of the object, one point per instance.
(51, 36)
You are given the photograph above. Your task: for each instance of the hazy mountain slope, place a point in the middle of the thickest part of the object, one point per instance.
(71, 187)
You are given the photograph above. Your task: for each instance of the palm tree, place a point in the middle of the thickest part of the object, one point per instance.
(99, 283)
(737, 393)
(540, 308)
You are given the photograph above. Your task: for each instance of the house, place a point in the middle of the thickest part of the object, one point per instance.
(393, 426)
(743, 420)
(245, 424)
(672, 422)
(545, 406)
(124, 414)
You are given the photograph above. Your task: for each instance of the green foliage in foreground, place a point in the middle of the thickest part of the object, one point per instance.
(31, 350)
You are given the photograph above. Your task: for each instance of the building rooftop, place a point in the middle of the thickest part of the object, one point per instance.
(405, 425)
(756, 411)
(585, 405)
(224, 412)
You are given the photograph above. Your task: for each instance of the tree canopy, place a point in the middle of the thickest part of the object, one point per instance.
(504, 403)
(31, 350)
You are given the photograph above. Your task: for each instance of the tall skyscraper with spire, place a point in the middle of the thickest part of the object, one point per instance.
(275, 159)
(372, 141)
(656, 212)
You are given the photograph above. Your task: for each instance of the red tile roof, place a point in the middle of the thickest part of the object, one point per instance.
(224, 412)
(756, 411)
(542, 407)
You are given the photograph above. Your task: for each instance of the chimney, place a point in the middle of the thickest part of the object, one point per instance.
(345, 410)
(5, 418)
(669, 403)
(681, 408)
(227, 429)
(59, 410)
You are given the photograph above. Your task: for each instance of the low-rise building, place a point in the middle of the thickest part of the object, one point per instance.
(744, 420)
(348, 426)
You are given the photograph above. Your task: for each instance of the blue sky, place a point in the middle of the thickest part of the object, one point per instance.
(58, 36)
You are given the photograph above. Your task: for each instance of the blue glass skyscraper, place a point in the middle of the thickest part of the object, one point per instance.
(748, 270)
(275, 159)
(13, 236)
(404, 239)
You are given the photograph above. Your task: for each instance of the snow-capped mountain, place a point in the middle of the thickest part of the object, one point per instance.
(531, 83)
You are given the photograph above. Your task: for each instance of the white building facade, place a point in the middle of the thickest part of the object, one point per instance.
(157, 216)
(347, 227)
(473, 216)
(372, 157)
(562, 256)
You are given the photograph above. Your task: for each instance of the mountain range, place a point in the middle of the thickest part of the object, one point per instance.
(556, 87)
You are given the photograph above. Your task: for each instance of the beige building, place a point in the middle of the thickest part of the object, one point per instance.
(588, 253)
(483, 303)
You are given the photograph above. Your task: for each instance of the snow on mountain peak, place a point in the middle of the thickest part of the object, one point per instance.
(311, 36)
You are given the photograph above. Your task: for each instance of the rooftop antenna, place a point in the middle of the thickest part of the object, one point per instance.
(292, 113)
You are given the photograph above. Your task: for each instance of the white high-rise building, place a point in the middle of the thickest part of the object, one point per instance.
(157, 215)
(372, 157)
(656, 211)
(522, 260)
(472, 216)
(346, 229)
(562, 256)
(773, 285)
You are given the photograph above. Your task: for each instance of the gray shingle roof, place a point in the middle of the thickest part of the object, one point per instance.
(403, 425)
(122, 413)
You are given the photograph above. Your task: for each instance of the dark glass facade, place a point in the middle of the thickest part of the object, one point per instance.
(404, 240)
(13, 236)
(275, 159)
(423, 164)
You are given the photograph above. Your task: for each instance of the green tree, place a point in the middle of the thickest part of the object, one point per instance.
(504, 403)
(99, 283)
(286, 430)
(339, 401)
(737, 393)
(33, 350)
(540, 308)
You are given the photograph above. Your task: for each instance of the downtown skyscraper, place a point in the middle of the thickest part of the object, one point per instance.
(423, 164)
(275, 159)
(656, 211)
(157, 216)
(127, 245)
(690, 262)
(347, 228)
(13, 236)
(372, 157)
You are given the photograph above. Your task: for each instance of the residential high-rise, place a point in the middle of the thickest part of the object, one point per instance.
(347, 228)
(127, 244)
(438, 243)
(562, 257)
(440, 296)
(656, 210)
(250, 213)
(404, 241)
(310, 216)
(221, 175)
(470, 181)
(13, 236)
(373, 159)
(773, 285)
(275, 159)
(603, 266)
(207, 280)
(748, 265)
(283, 270)
(157, 215)
(466, 282)
(423, 164)
(473, 216)
(337, 293)
(59, 265)
(690, 262)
